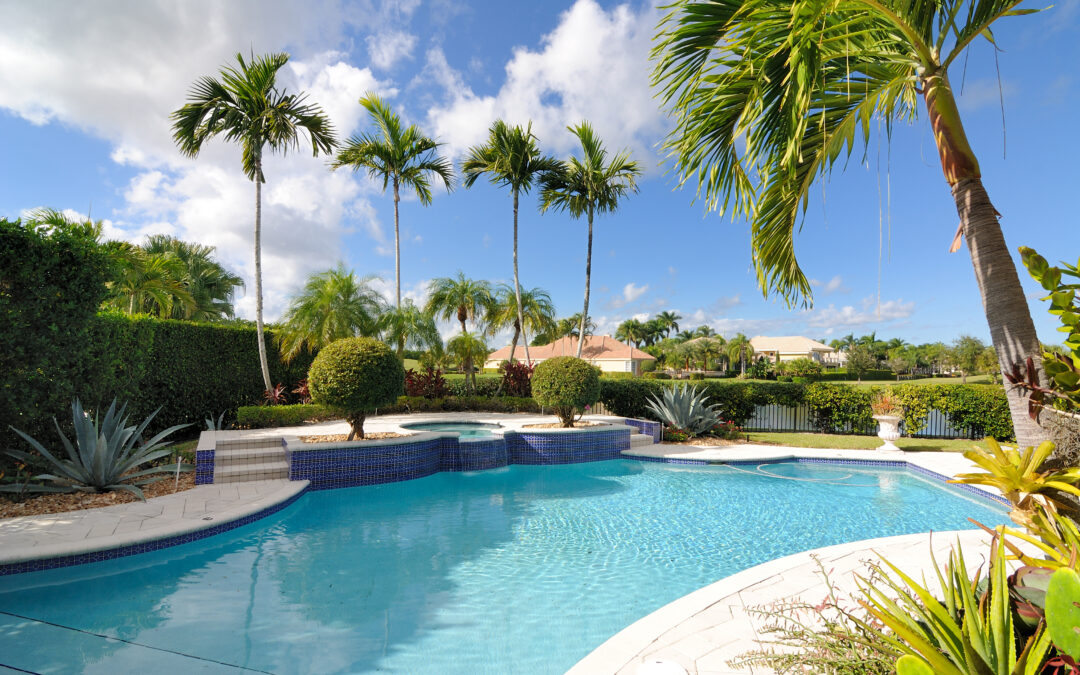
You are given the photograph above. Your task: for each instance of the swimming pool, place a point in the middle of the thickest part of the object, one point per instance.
(463, 429)
(524, 569)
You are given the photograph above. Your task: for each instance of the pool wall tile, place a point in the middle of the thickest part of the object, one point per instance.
(204, 467)
(646, 427)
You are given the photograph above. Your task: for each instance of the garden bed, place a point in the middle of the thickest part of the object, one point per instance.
(39, 505)
(337, 438)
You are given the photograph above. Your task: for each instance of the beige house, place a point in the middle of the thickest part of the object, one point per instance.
(602, 351)
(792, 347)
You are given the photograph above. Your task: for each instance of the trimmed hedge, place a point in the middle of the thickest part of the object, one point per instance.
(502, 404)
(737, 400)
(265, 416)
(844, 376)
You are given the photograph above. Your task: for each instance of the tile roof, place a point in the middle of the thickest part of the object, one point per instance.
(790, 344)
(597, 347)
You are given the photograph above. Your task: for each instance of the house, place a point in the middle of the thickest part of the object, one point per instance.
(602, 351)
(792, 347)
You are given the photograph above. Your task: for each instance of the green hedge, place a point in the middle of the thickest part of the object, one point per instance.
(265, 416)
(844, 376)
(502, 404)
(834, 408)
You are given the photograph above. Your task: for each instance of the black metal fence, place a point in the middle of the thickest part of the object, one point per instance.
(798, 419)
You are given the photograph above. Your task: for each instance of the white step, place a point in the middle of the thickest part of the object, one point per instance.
(237, 473)
(636, 441)
(223, 458)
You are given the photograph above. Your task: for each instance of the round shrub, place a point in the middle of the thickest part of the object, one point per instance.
(356, 376)
(566, 384)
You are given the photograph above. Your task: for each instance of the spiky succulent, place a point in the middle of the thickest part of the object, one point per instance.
(107, 454)
(685, 408)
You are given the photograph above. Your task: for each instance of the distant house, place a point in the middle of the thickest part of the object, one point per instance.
(602, 351)
(792, 347)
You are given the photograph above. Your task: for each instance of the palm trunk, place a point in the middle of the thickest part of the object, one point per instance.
(467, 364)
(588, 278)
(517, 289)
(397, 247)
(258, 277)
(1011, 328)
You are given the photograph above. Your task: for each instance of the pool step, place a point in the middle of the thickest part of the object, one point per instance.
(250, 459)
(239, 473)
(638, 440)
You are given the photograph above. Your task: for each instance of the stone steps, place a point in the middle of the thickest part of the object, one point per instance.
(639, 440)
(239, 473)
(250, 459)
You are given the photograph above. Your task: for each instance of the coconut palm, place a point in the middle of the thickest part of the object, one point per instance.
(739, 348)
(685, 335)
(511, 158)
(334, 304)
(409, 326)
(212, 287)
(586, 186)
(467, 348)
(708, 347)
(461, 298)
(400, 156)
(670, 321)
(766, 95)
(632, 331)
(246, 106)
(535, 314)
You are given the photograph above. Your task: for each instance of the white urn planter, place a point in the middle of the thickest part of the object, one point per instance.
(888, 431)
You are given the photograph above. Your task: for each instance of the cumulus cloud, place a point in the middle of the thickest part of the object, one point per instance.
(832, 317)
(834, 285)
(593, 66)
(630, 293)
(386, 48)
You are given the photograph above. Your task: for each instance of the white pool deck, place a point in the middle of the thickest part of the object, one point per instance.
(698, 633)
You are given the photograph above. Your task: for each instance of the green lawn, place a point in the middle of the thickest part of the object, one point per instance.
(973, 379)
(847, 442)
(412, 363)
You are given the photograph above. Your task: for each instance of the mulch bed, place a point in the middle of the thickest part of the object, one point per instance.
(336, 438)
(558, 425)
(38, 505)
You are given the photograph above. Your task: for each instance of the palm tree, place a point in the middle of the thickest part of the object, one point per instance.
(685, 335)
(739, 348)
(466, 348)
(460, 298)
(709, 347)
(402, 156)
(535, 313)
(409, 326)
(211, 286)
(632, 331)
(334, 304)
(588, 186)
(511, 158)
(151, 283)
(654, 331)
(247, 107)
(704, 331)
(782, 87)
(670, 321)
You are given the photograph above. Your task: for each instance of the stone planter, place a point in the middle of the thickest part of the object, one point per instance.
(888, 431)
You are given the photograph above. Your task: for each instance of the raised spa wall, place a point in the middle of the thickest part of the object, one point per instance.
(348, 464)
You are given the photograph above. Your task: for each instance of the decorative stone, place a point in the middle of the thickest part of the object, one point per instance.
(888, 431)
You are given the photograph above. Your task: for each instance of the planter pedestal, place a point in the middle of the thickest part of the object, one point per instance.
(888, 431)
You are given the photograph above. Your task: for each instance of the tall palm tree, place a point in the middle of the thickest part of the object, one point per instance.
(461, 298)
(145, 282)
(409, 326)
(632, 331)
(212, 287)
(767, 94)
(334, 304)
(685, 335)
(246, 106)
(511, 158)
(467, 348)
(586, 186)
(704, 331)
(400, 156)
(670, 321)
(571, 326)
(739, 348)
(529, 310)
(709, 347)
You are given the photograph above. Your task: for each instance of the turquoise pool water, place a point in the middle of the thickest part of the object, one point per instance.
(518, 570)
(463, 429)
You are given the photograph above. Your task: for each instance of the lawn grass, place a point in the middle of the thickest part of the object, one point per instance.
(849, 442)
(867, 384)
(411, 364)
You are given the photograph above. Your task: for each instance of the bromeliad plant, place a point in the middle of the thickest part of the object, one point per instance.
(686, 409)
(108, 454)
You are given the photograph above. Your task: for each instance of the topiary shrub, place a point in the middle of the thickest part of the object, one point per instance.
(356, 376)
(566, 384)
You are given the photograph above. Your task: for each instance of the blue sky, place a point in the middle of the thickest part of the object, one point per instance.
(86, 90)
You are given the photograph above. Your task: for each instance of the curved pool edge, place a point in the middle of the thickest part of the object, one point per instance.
(123, 530)
(703, 630)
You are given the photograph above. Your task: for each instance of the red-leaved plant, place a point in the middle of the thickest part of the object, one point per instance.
(429, 384)
(275, 396)
(302, 391)
(516, 379)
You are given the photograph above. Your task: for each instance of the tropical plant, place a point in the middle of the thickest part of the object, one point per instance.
(146, 282)
(211, 286)
(276, 395)
(467, 348)
(739, 349)
(334, 304)
(107, 454)
(685, 408)
(586, 186)
(464, 299)
(886, 403)
(669, 320)
(859, 361)
(566, 385)
(966, 352)
(246, 106)
(217, 424)
(357, 376)
(399, 156)
(536, 309)
(515, 379)
(511, 158)
(302, 392)
(409, 326)
(429, 384)
(766, 96)
(632, 331)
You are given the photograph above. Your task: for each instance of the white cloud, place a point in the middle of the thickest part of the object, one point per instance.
(630, 293)
(834, 285)
(593, 66)
(831, 317)
(387, 47)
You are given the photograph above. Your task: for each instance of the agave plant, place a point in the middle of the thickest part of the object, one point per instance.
(685, 408)
(107, 454)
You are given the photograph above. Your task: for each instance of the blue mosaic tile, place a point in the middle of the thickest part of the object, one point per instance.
(647, 427)
(143, 547)
(204, 467)
(566, 447)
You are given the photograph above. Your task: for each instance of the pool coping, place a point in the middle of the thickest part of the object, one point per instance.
(90, 535)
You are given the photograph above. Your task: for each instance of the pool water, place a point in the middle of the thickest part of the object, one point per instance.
(463, 429)
(518, 570)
